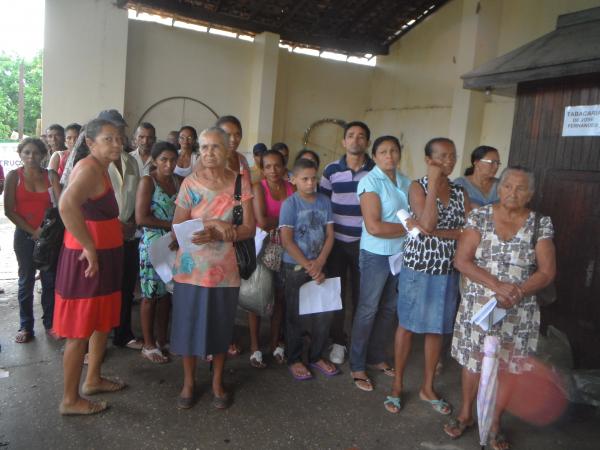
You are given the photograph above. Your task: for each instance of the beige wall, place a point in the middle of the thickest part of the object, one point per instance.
(310, 89)
(413, 87)
(164, 62)
(84, 60)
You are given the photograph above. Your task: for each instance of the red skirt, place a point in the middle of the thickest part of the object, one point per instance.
(79, 318)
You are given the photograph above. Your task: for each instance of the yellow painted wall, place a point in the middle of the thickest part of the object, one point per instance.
(164, 62)
(412, 88)
(309, 89)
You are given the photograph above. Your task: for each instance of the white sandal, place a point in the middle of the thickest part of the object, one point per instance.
(256, 360)
(150, 353)
(279, 354)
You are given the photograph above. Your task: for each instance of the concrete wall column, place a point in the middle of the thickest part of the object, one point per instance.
(85, 55)
(263, 89)
(478, 42)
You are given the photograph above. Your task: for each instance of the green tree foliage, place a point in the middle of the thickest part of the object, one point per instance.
(9, 94)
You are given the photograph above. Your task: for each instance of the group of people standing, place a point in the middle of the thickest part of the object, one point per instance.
(344, 226)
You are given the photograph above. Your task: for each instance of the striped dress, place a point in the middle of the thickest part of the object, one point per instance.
(84, 305)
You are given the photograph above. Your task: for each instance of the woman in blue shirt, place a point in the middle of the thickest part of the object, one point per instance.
(480, 180)
(382, 192)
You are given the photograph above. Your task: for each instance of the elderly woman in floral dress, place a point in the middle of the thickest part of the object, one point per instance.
(506, 252)
(207, 279)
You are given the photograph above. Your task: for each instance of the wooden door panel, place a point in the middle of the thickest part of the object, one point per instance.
(577, 240)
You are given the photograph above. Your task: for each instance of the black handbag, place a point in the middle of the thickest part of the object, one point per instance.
(245, 251)
(47, 247)
(545, 296)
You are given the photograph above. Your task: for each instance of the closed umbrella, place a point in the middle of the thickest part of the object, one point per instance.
(488, 387)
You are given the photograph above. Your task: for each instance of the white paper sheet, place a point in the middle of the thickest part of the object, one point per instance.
(259, 238)
(396, 263)
(403, 215)
(162, 257)
(316, 298)
(4, 373)
(184, 232)
(482, 317)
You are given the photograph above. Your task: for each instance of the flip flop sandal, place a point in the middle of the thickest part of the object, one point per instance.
(498, 441)
(388, 371)
(222, 402)
(279, 354)
(234, 350)
(325, 371)
(256, 360)
(23, 337)
(135, 344)
(154, 355)
(309, 376)
(185, 402)
(455, 424)
(358, 383)
(440, 406)
(392, 402)
(94, 408)
(114, 387)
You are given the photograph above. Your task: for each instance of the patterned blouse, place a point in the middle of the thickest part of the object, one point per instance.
(432, 254)
(511, 261)
(213, 264)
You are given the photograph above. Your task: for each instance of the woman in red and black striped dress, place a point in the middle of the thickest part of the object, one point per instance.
(88, 281)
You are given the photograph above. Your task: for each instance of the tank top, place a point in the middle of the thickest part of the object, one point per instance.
(31, 206)
(185, 171)
(274, 206)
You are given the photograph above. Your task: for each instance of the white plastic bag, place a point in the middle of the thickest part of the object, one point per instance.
(256, 293)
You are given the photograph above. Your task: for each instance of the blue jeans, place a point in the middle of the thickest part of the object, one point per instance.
(375, 315)
(23, 246)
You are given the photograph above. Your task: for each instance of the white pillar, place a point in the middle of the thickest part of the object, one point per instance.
(85, 55)
(477, 44)
(263, 88)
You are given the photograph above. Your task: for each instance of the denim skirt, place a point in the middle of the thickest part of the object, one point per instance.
(427, 303)
(203, 319)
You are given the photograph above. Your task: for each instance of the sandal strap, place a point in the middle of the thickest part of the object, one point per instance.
(389, 400)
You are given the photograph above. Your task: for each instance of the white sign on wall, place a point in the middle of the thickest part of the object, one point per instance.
(582, 121)
(9, 158)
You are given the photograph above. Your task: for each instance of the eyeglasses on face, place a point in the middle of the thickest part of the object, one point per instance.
(186, 138)
(495, 162)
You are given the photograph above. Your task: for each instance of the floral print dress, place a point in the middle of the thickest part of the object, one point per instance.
(512, 261)
(162, 207)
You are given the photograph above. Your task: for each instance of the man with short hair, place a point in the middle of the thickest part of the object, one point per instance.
(145, 137)
(340, 181)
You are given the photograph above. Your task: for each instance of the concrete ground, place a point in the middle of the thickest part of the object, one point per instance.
(271, 410)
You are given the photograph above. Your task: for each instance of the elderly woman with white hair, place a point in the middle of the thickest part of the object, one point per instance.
(207, 279)
(506, 252)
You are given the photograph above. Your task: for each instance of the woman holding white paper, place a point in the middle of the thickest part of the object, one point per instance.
(428, 283)
(506, 253)
(382, 192)
(154, 209)
(207, 280)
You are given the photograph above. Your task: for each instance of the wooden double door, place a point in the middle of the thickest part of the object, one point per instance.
(567, 173)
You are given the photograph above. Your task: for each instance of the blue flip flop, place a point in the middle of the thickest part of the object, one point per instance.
(441, 406)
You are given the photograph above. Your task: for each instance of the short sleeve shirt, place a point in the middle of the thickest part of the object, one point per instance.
(476, 197)
(213, 264)
(309, 222)
(392, 197)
